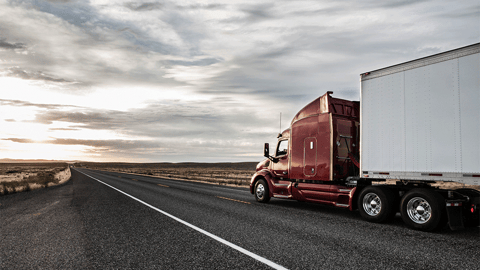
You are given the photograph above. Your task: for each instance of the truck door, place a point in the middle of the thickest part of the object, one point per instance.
(281, 183)
(280, 168)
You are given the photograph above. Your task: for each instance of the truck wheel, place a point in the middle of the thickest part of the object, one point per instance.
(376, 204)
(423, 209)
(261, 191)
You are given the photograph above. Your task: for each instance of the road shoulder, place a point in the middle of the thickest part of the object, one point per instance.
(41, 230)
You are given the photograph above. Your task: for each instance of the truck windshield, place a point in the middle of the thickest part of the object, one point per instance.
(282, 148)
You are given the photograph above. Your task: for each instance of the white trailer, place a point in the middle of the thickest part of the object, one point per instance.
(420, 120)
(420, 129)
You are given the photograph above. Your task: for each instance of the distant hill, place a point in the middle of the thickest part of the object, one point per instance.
(157, 165)
(218, 165)
(9, 160)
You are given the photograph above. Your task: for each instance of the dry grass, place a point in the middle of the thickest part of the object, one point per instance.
(18, 177)
(220, 173)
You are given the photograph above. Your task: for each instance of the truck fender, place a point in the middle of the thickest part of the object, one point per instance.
(353, 199)
(262, 174)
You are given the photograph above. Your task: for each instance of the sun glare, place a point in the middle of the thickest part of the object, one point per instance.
(42, 151)
(120, 98)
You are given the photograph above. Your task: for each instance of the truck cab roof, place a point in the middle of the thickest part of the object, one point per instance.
(328, 104)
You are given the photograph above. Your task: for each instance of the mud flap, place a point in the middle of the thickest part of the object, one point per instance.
(455, 217)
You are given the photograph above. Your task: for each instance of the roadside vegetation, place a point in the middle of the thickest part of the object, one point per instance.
(238, 174)
(19, 177)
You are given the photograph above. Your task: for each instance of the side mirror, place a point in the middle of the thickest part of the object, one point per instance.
(266, 153)
(266, 150)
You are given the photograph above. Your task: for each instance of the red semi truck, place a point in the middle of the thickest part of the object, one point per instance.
(415, 131)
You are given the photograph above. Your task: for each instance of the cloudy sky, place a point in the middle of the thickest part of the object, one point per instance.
(153, 81)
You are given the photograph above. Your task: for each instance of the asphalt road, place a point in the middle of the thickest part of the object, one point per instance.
(131, 222)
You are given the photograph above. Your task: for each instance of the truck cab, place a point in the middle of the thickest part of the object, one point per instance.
(314, 156)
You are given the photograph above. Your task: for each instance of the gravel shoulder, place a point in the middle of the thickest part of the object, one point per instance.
(41, 230)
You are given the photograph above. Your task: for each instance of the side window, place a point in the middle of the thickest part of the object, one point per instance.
(282, 148)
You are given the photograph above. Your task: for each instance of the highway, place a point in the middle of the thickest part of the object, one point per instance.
(106, 220)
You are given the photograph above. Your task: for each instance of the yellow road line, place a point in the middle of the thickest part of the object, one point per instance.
(134, 179)
(232, 200)
(162, 185)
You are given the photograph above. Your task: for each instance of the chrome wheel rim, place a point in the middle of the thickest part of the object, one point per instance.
(419, 210)
(260, 191)
(372, 204)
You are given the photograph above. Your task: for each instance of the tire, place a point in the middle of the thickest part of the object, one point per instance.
(261, 191)
(376, 204)
(423, 210)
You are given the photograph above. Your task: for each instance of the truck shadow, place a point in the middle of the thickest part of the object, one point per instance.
(397, 222)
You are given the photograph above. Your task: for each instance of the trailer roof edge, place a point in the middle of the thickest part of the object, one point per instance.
(424, 61)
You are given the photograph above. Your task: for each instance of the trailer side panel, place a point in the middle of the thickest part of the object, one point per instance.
(421, 120)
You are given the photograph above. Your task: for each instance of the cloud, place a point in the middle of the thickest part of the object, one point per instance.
(392, 3)
(197, 6)
(97, 145)
(258, 12)
(94, 120)
(165, 119)
(115, 145)
(113, 44)
(60, 1)
(166, 129)
(21, 103)
(143, 6)
(19, 140)
(33, 75)
(201, 62)
(11, 46)
(237, 65)
(63, 129)
(460, 14)
(72, 43)
(328, 51)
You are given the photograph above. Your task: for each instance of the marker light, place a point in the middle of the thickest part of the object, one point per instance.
(454, 204)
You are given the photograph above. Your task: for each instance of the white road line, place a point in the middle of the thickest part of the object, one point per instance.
(221, 240)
